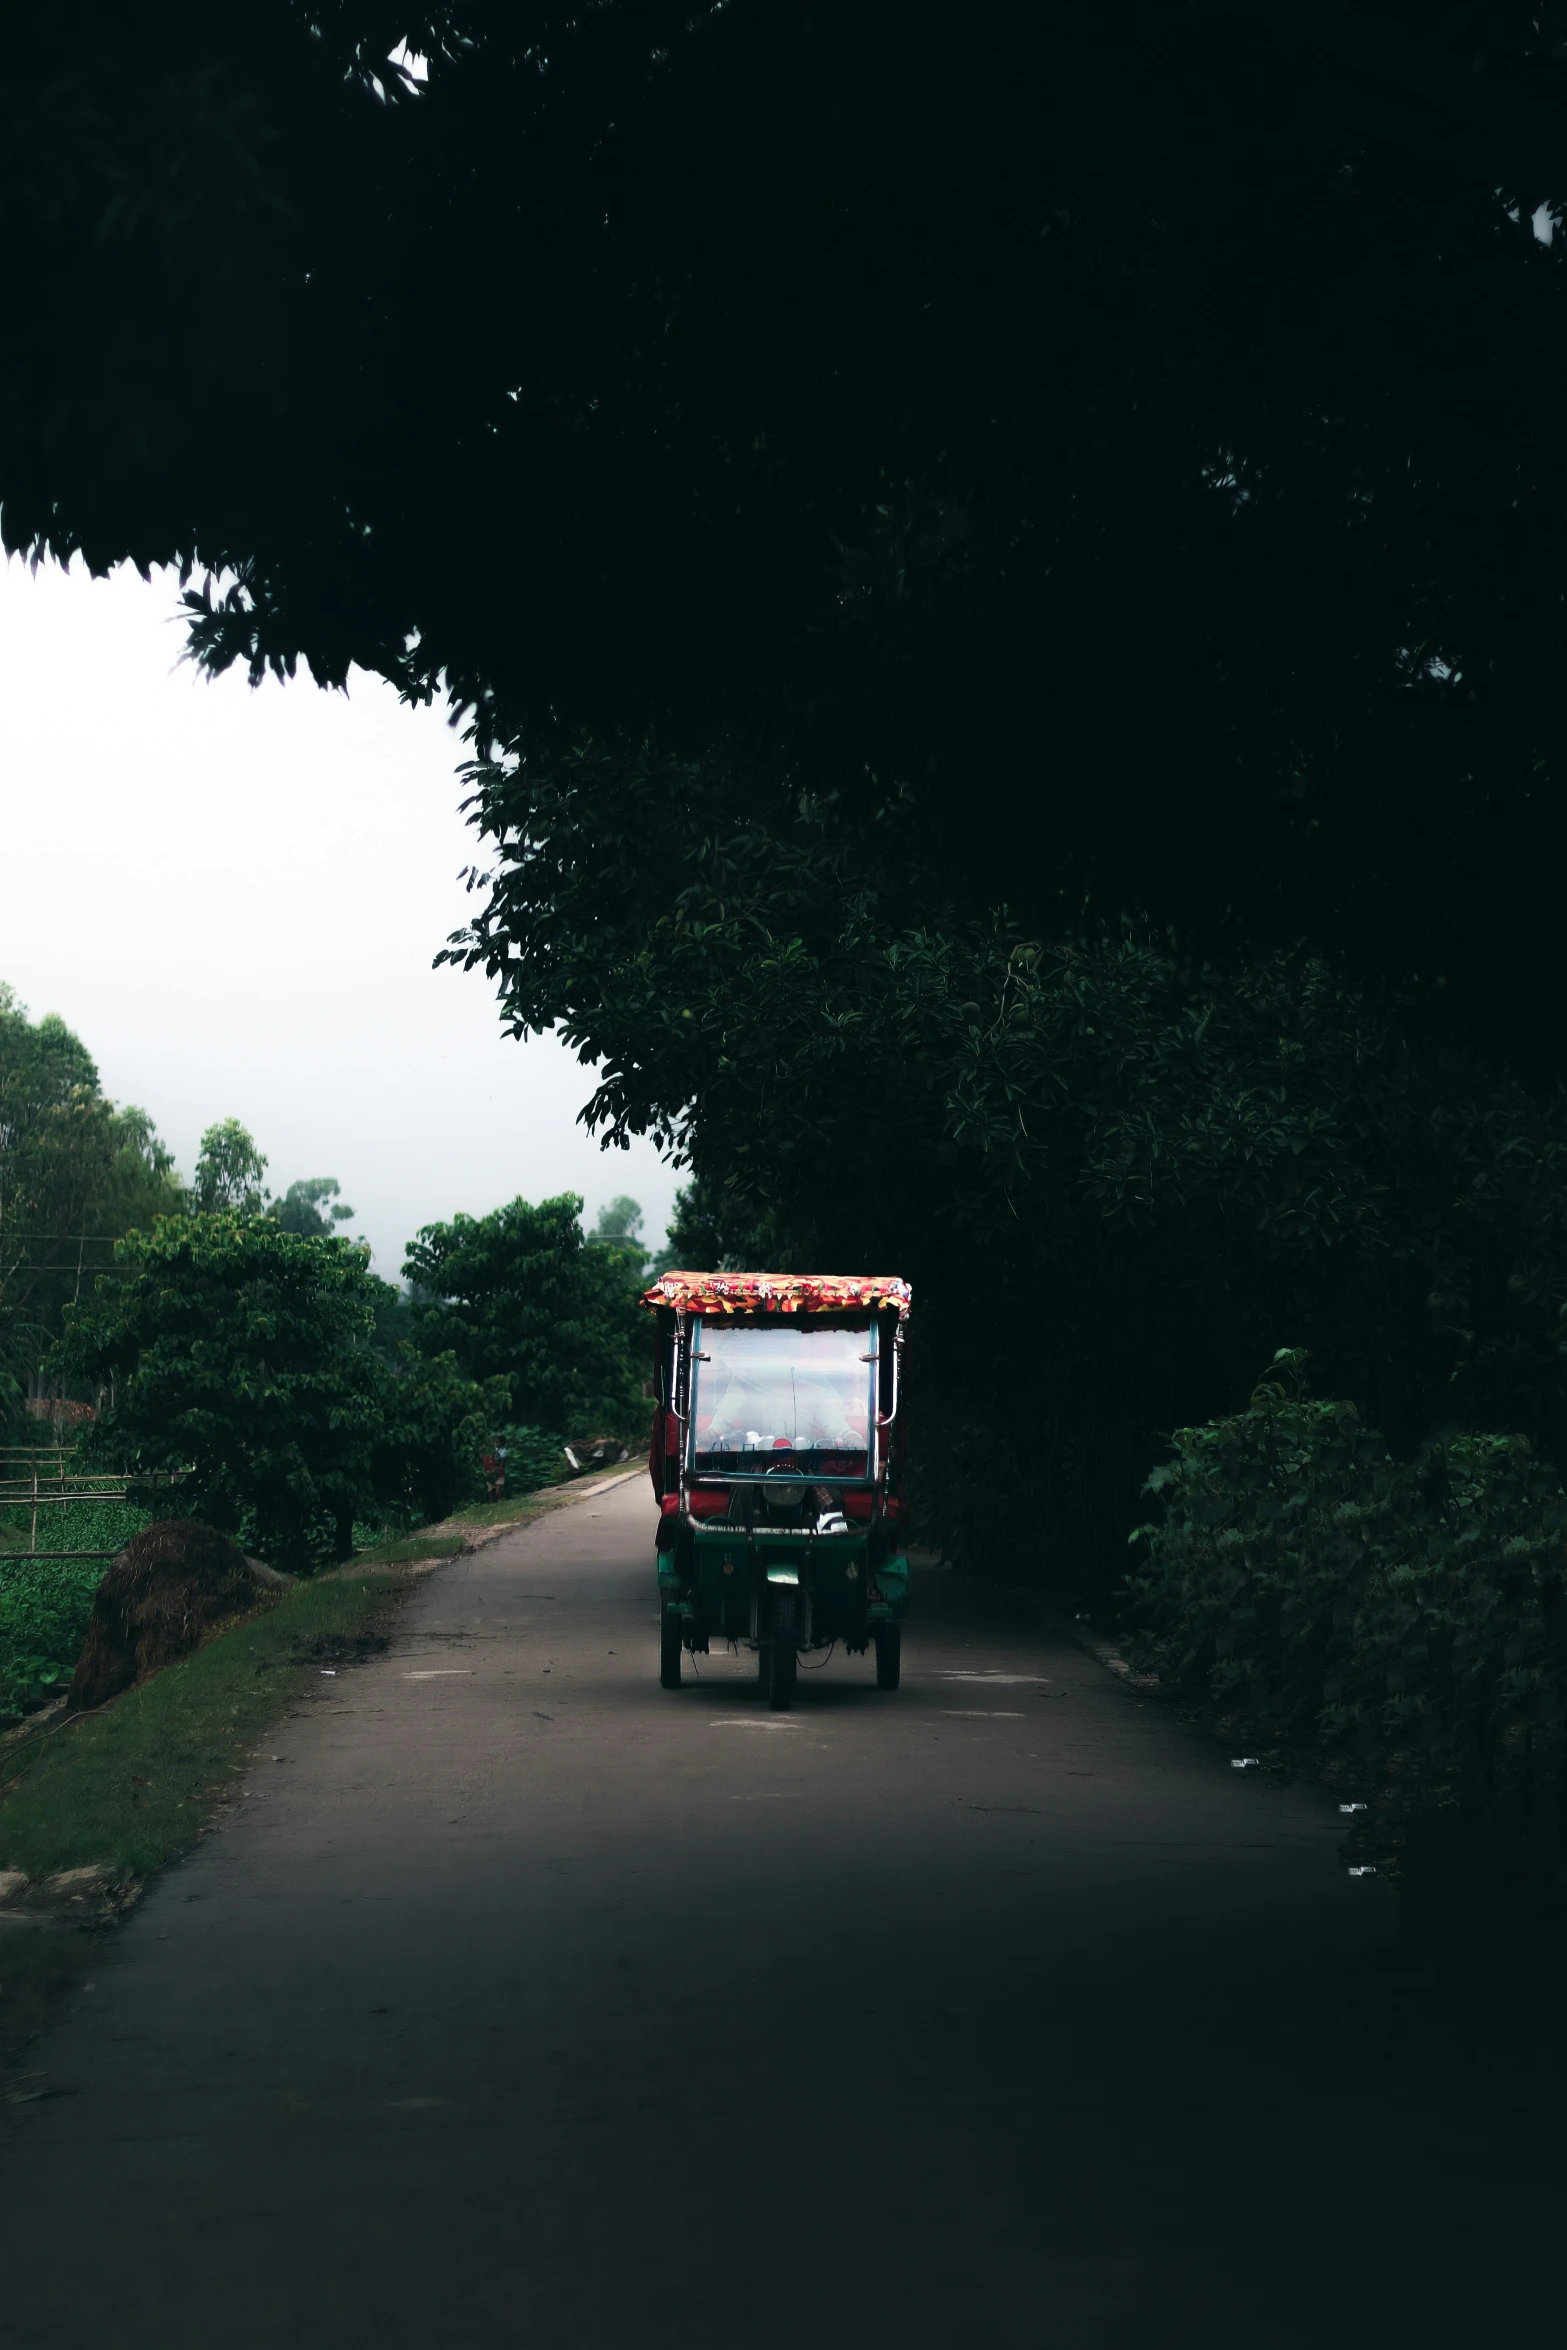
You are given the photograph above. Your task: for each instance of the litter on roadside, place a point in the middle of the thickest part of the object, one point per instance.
(329, 1672)
(1347, 1807)
(1363, 1868)
(1245, 1762)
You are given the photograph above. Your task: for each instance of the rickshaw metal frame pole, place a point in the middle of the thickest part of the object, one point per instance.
(885, 1421)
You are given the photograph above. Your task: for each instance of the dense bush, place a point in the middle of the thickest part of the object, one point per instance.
(1305, 1580)
(430, 1434)
(534, 1458)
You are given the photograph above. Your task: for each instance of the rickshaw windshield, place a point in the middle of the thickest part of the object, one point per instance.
(780, 1388)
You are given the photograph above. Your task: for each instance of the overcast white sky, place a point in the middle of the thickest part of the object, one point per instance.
(234, 898)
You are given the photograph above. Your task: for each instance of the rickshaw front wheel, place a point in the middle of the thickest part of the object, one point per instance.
(669, 1646)
(889, 1655)
(781, 1653)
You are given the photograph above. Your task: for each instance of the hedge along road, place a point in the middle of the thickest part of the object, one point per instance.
(527, 2002)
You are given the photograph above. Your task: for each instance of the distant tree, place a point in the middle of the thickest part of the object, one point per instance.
(619, 1227)
(138, 1182)
(700, 1240)
(229, 1169)
(76, 1172)
(303, 1207)
(619, 1219)
(520, 1294)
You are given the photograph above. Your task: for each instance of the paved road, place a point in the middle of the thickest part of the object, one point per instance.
(528, 2003)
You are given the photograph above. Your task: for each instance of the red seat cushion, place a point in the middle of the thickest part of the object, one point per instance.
(858, 1505)
(709, 1504)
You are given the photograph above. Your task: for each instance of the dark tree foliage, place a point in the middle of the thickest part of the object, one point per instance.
(520, 1296)
(699, 1234)
(240, 1358)
(1106, 450)
(1119, 1178)
(235, 1354)
(428, 1445)
(894, 494)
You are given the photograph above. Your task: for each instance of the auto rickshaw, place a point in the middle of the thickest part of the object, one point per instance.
(777, 1460)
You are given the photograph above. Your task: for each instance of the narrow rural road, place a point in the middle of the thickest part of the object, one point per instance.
(524, 2002)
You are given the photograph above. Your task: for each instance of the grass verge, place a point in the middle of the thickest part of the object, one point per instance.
(128, 1787)
(519, 1506)
(451, 1535)
(448, 1539)
(405, 1551)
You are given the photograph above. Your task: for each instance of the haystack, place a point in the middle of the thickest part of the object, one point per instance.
(171, 1585)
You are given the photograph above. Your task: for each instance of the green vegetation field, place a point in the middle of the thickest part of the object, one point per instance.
(72, 1525)
(45, 1601)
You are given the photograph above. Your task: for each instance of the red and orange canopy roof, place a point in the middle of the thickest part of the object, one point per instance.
(779, 1293)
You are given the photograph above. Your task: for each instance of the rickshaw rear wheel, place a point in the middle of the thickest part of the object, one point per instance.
(669, 1647)
(889, 1655)
(781, 1654)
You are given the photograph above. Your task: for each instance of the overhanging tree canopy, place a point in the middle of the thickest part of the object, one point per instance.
(1108, 451)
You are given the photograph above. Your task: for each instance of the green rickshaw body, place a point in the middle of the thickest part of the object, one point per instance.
(846, 1589)
(778, 1461)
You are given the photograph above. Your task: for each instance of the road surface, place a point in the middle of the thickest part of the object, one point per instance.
(526, 2003)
